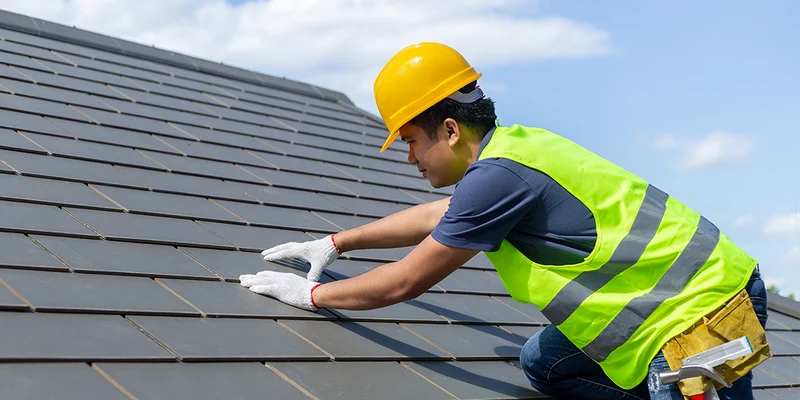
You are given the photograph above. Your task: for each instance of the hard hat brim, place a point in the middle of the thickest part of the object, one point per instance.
(390, 140)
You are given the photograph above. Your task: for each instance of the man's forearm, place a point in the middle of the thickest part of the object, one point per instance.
(405, 228)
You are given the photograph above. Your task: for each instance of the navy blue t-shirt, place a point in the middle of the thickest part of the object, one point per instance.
(501, 199)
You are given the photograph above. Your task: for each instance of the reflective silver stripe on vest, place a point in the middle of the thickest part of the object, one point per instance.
(627, 253)
(693, 257)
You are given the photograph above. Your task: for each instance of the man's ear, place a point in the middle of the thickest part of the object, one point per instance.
(453, 131)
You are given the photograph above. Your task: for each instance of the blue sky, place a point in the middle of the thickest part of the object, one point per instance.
(702, 99)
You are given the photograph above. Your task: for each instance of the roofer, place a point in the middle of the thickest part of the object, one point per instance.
(630, 278)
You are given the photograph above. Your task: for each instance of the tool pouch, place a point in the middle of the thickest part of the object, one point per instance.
(731, 321)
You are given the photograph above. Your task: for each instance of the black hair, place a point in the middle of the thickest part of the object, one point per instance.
(478, 116)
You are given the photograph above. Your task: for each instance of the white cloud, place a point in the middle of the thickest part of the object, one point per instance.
(783, 224)
(340, 44)
(715, 148)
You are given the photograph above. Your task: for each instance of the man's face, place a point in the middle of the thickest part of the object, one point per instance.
(434, 158)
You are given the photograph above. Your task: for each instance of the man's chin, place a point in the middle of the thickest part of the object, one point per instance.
(440, 184)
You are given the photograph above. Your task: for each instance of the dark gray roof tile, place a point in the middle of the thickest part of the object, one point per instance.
(358, 380)
(471, 342)
(166, 90)
(478, 379)
(294, 164)
(255, 238)
(345, 222)
(366, 207)
(132, 122)
(778, 371)
(55, 381)
(68, 169)
(28, 123)
(243, 140)
(278, 217)
(53, 94)
(17, 251)
(23, 61)
(464, 308)
(8, 301)
(150, 229)
(409, 311)
(110, 135)
(366, 341)
(376, 192)
(472, 281)
(87, 74)
(31, 218)
(130, 108)
(50, 291)
(8, 72)
(215, 152)
(297, 181)
(67, 82)
(206, 168)
(780, 321)
(780, 393)
(92, 151)
(104, 256)
(65, 337)
(525, 308)
(51, 191)
(525, 332)
(387, 255)
(40, 107)
(170, 205)
(187, 184)
(232, 264)
(784, 343)
(229, 299)
(24, 50)
(222, 339)
(283, 197)
(198, 380)
(14, 141)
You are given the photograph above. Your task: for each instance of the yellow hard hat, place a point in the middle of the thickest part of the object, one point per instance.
(415, 79)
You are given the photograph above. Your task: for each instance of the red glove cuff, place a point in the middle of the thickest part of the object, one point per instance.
(335, 246)
(312, 295)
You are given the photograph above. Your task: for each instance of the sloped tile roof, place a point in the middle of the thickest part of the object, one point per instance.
(137, 184)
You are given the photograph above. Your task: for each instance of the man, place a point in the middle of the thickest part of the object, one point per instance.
(618, 266)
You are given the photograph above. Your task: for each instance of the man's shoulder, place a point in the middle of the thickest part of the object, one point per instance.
(489, 169)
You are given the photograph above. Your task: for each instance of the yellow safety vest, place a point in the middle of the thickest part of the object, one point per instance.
(656, 269)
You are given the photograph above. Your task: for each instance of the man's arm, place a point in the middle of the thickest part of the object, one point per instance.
(427, 264)
(404, 228)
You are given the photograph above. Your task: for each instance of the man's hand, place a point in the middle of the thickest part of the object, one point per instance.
(284, 286)
(319, 253)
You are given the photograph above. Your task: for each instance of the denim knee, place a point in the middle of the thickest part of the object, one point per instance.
(532, 362)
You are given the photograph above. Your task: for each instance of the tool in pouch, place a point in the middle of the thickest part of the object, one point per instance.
(717, 350)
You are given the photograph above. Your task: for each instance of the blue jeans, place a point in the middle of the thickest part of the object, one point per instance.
(556, 367)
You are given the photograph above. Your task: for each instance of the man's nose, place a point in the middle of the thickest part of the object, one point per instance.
(412, 159)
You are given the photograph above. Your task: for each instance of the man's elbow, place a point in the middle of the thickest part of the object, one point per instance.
(408, 290)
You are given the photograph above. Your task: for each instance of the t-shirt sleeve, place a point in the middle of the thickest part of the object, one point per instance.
(486, 205)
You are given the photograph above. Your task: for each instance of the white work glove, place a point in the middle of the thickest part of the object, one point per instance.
(287, 287)
(319, 253)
